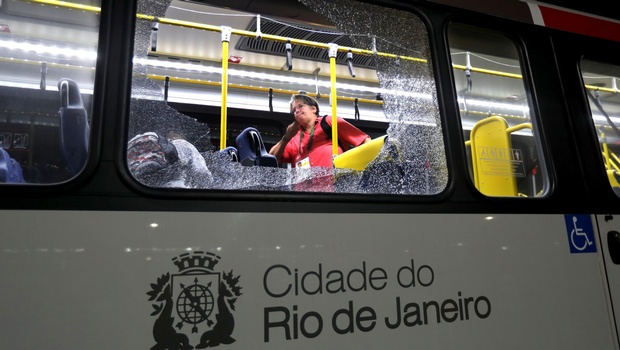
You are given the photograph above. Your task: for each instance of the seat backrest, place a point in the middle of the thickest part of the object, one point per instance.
(5, 163)
(359, 157)
(74, 127)
(10, 170)
(252, 150)
(491, 151)
(230, 153)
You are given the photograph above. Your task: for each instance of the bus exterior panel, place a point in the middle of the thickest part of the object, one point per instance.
(105, 280)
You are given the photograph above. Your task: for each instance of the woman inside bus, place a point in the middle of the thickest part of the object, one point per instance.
(306, 143)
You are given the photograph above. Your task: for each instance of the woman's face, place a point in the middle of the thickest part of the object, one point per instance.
(303, 113)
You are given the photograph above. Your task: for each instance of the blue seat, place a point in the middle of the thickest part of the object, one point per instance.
(252, 150)
(74, 127)
(10, 170)
(230, 153)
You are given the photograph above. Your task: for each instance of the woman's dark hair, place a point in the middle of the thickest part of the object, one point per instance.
(308, 100)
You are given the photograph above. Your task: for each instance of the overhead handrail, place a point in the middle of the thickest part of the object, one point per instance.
(256, 88)
(603, 89)
(487, 71)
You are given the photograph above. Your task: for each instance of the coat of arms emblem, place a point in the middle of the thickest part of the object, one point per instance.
(195, 305)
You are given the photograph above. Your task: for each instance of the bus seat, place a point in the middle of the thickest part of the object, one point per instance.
(74, 128)
(230, 153)
(252, 150)
(491, 157)
(359, 157)
(10, 170)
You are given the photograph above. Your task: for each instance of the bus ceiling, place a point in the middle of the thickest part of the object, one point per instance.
(291, 10)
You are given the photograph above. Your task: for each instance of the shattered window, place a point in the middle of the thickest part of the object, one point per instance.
(503, 148)
(311, 96)
(47, 72)
(601, 86)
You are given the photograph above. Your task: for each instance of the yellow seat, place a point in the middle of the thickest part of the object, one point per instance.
(492, 157)
(359, 157)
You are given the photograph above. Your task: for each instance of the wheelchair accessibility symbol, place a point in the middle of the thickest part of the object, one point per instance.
(580, 233)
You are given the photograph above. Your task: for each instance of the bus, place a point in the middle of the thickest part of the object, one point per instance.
(144, 204)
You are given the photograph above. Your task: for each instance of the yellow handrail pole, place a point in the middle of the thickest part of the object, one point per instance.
(605, 151)
(488, 71)
(521, 126)
(223, 122)
(333, 52)
(600, 88)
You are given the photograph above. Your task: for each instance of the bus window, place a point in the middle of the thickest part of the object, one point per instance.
(47, 71)
(601, 81)
(224, 79)
(502, 147)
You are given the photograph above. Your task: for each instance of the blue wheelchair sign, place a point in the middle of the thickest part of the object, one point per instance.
(580, 233)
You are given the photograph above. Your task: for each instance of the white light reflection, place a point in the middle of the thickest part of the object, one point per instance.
(522, 109)
(273, 77)
(50, 87)
(45, 250)
(599, 119)
(41, 49)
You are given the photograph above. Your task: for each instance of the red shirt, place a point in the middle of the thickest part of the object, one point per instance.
(320, 152)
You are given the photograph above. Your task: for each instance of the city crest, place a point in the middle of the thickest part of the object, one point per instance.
(194, 307)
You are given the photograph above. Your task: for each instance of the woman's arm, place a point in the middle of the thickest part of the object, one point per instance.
(278, 149)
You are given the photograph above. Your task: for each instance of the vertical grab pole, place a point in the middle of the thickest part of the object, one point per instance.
(333, 52)
(226, 32)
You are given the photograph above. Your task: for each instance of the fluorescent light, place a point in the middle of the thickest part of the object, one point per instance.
(494, 105)
(601, 119)
(274, 77)
(50, 50)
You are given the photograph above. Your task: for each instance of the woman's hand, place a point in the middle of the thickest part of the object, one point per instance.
(291, 130)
